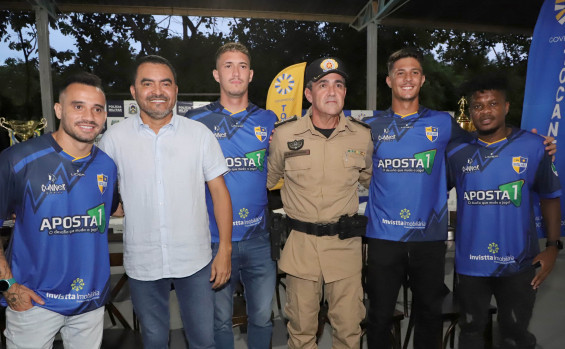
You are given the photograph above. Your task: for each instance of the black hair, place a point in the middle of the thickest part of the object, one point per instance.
(404, 53)
(154, 59)
(81, 78)
(487, 82)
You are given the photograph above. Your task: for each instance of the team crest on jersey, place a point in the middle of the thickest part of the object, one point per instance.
(102, 180)
(432, 133)
(519, 164)
(261, 133)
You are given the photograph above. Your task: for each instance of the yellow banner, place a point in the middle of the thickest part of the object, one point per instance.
(285, 94)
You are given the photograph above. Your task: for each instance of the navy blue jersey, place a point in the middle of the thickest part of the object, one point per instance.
(59, 246)
(244, 139)
(408, 190)
(496, 233)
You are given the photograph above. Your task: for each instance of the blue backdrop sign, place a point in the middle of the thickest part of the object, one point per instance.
(544, 99)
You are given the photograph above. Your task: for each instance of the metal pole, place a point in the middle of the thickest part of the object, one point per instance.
(372, 31)
(42, 24)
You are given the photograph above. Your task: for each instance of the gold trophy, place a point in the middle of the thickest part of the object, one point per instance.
(462, 119)
(23, 129)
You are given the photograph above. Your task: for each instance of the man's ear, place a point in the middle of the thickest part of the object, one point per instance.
(132, 91)
(308, 94)
(58, 110)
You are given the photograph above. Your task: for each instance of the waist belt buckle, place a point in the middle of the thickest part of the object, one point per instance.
(324, 229)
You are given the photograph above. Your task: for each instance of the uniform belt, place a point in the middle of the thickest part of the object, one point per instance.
(314, 228)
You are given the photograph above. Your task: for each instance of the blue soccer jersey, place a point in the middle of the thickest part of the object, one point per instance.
(496, 233)
(59, 246)
(408, 190)
(244, 139)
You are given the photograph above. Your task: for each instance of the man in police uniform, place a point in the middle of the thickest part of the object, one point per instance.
(322, 157)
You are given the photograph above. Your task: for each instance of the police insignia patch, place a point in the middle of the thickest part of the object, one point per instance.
(295, 144)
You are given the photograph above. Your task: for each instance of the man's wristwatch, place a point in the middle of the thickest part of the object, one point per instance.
(5, 284)
(556, 243)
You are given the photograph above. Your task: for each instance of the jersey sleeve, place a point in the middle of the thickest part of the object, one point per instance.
(459, 135)
(6, 187)
(450, 168)
(547, 183)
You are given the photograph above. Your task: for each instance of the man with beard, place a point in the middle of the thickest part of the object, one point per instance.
(496, 175)
(407, 205)
(55, 275)
(164, 163)
(243, 130)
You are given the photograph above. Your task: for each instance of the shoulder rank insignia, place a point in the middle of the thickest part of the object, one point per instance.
(359, 122)
(296, 144)
(294, 118)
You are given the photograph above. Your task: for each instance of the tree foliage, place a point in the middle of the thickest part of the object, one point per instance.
(108, 44)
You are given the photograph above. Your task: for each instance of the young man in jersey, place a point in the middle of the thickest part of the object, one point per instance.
(55, 274)
(496, 242)
(407, 205)
(243, 131)
(164, 162)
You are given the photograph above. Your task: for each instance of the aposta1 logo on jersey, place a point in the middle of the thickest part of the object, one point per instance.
(421, 162)
(509, 193)
(94, 221)
(252, 161)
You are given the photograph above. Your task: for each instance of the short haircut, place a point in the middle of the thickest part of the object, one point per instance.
(487, 82)
(405, 53)
(154, 59)
(83, 78)
(232, 46)
(309, 84)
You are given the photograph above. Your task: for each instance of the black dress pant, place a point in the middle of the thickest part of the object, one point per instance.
(515, 301)
(389, 263)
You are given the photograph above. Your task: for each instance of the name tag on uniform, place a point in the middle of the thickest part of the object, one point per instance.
(290, 154)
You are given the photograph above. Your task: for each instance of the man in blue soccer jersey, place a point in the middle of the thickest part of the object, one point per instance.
(243, 131)
(496, 242)
(55, 274)
(165, 161)
(407, 205)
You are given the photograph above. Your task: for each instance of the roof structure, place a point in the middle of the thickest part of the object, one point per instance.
(502, 16)
(479, 15)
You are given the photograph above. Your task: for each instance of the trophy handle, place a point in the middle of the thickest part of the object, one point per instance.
(2, 121)
(42, 124)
